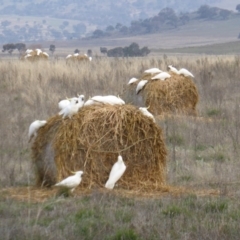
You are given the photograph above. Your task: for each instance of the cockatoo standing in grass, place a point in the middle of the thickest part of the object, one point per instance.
(71, 182)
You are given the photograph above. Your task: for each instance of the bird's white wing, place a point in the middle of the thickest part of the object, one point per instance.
(63, 103)
(132, 80)
(140, 85)
(185, 72)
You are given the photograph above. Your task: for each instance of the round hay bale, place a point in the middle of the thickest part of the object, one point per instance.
(177, 94)
(33, 56)
(77, 59)
(91, 141)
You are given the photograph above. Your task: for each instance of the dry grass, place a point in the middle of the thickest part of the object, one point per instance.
(203, 154)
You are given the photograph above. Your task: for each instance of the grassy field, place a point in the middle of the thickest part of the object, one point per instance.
(203, 155)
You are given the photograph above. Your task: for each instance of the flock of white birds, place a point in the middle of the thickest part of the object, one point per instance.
(69, 107)
(158, 74)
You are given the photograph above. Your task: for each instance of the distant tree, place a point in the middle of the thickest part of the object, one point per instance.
(224, 14)
(118, 26)
(21, 47)
(145, 51)
(206, 12)
(10, 47)
(115, 52)
(5, 23)
(124, 30)
(89, 52)
(238, 8)
(52, 48)
(109, 28)
(132, 50)
(76, 51)
(98, 33)
(184, 18)
(79, 28)
(103, 50)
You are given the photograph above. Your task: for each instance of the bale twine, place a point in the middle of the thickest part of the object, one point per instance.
(177, 94)
(91, 141)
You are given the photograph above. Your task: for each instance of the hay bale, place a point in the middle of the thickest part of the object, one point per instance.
(33, 56)
(177, 94)
(78, 59)
(92, 140)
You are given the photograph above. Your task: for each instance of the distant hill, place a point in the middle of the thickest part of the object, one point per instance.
(28, 20)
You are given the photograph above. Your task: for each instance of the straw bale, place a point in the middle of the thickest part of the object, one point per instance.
(77, 59)
(34, 57)
(177, 94)
(91, 141)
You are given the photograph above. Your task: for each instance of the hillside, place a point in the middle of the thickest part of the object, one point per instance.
(27, 20)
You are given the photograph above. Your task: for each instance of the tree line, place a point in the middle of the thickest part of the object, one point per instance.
(133, 50)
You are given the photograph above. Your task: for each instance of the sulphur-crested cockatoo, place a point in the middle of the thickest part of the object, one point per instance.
(141, 85)
(116, 173)
(146, 112)
(33, 128)
(173, 69)
(71, 182)
(70, 109)
(185, 72)
(153, 70)
(109, 99)
(161, 76)
(132, 80)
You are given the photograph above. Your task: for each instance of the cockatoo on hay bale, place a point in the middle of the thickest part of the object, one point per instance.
(109, 99)
(141, 85)
(72, 108)
(33, 128)
(145, 112)
(153, 71)
(132, 80)
(161, 76)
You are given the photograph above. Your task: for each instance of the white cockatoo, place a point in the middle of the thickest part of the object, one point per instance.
(173, 69)
(141, 85)
(145, 112)
(116, 173)
(185, 72)
(33, 128)
(70, 109)
(161, 76)
(153, 70)
(71, 182)
(109, 99)
(132, 80)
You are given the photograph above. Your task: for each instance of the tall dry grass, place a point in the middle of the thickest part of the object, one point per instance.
(203, 152)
